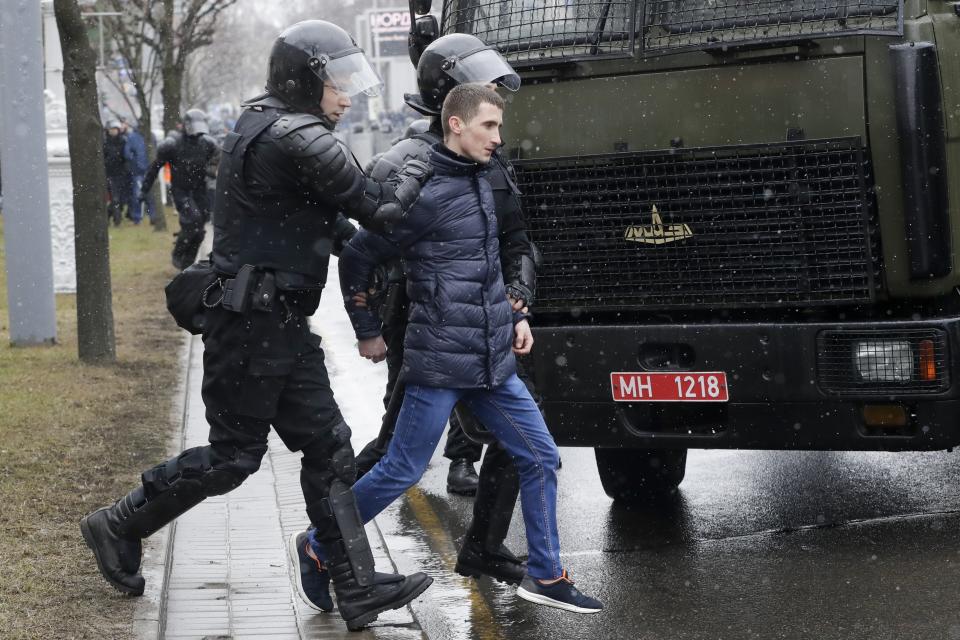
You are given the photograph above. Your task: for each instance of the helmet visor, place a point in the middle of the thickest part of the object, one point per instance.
(352, 74)
(484, 66)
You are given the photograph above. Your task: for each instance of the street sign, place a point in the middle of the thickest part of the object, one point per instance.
(389, 29)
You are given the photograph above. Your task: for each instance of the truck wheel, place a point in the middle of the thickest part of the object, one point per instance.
(633, 475)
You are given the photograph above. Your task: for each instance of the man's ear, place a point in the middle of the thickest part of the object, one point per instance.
(455, 124)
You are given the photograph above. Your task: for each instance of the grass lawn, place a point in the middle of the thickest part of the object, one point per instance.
(75, 437)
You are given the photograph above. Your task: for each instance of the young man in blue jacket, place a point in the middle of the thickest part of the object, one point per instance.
(135, 151)
(461, 338)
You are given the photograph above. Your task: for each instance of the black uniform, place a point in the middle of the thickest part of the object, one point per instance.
(283, 182)
(499, 483)
(284, 177)
(192, 159)
(118, 175)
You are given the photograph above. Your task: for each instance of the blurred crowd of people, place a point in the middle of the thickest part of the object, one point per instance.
(125, 160)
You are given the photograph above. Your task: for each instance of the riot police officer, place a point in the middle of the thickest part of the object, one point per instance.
(284, 177)
(448, 61)
(192, 155)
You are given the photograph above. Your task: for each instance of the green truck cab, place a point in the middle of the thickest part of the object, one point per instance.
(747, 213)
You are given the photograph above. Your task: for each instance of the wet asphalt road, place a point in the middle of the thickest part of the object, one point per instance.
(756, 545)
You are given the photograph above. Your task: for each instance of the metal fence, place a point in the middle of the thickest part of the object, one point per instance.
(532, 31)
(536, 30)
(672, 25)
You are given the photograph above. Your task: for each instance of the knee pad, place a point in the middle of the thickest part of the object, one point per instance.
(334, 455)
(203, 470)
(227, 473)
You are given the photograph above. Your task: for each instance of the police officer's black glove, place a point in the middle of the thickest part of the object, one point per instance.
(377, 288)
(407, 184)
(519, 291)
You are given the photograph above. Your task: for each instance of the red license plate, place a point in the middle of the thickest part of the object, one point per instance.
(675, 386)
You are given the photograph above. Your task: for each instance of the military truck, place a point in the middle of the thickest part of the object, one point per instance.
(747, 214)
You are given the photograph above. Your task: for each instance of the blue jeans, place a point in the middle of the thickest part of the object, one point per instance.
(511, 415)
(135, 212)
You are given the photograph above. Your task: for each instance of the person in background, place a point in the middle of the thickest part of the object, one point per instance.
(191, 155)
(118, 172)
(135, 152)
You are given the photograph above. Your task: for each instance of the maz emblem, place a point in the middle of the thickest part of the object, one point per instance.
(656, 232)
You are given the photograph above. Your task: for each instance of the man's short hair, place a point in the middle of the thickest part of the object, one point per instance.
(464, 101)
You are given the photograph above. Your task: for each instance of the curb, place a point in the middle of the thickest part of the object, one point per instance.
(150, 616)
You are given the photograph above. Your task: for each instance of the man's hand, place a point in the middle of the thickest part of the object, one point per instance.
(523, 340)
(375, 348)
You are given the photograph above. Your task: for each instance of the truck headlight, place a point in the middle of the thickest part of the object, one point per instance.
(884, 360)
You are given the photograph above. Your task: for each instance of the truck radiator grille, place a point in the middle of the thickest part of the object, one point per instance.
(883, 362)
(748, 226)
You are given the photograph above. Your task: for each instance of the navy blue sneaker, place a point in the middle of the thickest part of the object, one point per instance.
(559, 593)
(311, 576)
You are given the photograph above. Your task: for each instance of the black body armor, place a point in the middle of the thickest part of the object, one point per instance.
(282, 181)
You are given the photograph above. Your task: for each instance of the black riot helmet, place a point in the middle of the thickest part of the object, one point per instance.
(453, 59)
(195, 122)
(311, 53)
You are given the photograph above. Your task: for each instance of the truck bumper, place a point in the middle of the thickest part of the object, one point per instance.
(784, 385)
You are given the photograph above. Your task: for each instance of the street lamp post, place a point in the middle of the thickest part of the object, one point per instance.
(23, 158)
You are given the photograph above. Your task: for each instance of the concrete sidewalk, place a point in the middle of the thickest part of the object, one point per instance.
(225, 573)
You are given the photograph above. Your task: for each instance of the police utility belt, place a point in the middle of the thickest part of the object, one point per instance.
(200, 287)
(251, 288)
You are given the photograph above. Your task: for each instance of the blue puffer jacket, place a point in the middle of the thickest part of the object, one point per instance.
(135, 151)
(461, 326)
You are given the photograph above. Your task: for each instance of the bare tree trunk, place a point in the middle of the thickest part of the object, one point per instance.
(159, 221)
(159, 213)
(95, 335)
(172, 77)
(172, 92)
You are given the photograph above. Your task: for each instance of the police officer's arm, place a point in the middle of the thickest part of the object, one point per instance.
(358, 259)
(213, 156)
(517, 258)
(517, 253)
(165, 154)
(328, 171)
(367, 250)
(343, 231)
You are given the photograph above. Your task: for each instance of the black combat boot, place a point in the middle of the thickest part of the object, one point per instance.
(462, 478)
(114, 533)
(500, 564)
(359, 605)
(118, 553)
(483, 551)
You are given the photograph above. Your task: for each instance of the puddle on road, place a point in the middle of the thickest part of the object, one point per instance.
(453, 608)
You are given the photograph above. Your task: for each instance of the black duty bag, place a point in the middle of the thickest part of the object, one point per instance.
(190, 293)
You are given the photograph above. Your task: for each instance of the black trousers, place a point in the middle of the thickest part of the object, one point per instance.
(263, 369)
(193, 211)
